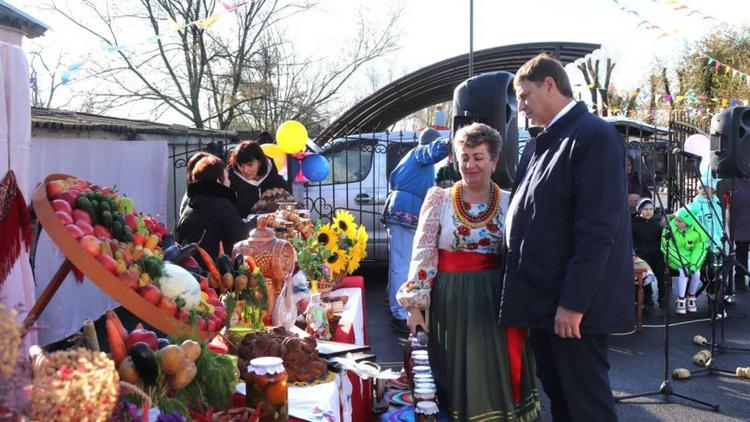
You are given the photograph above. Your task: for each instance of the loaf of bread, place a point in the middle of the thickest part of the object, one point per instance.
(301, 359)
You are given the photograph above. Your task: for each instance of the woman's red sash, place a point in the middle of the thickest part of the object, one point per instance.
(464, 261)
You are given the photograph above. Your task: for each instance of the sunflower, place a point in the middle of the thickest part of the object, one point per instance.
(362, 235)
(358, 252)
(336, 262)
(328, 238)
(344, 223)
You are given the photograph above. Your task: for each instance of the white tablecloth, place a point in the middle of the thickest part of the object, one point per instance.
(352, 314)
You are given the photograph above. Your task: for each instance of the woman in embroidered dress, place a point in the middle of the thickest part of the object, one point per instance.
(482, 371)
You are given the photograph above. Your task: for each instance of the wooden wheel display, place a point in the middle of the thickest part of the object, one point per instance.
(76, 256)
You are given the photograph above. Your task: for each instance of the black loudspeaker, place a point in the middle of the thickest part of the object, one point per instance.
(490, 98)
(730, 142)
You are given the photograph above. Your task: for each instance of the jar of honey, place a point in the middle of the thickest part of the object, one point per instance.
(266, 385)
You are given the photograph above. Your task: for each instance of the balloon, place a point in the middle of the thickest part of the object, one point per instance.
(315, 167)
(291, 136)
(276, 154)
(699, 145)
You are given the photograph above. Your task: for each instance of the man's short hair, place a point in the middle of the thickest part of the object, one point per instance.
(541, 66)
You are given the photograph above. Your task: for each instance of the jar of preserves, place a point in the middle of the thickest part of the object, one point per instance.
(424, 394)
(426, 411)
(266, 385)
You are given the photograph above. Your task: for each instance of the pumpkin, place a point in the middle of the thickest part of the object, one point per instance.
(178, 283)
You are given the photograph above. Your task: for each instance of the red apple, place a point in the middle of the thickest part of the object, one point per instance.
(102, 233)
(64, 217)
(60, 205)
(211, 293)
(213, 324)
(145, 336)
(55, 187)
(130, 221)
(168, 305)
(151, 293)
(204, 284)
(183, 315)
(74, 231)
(81, 215)
(91, 244)
(189, 262)
(129, 278)
(85, 227)
(69, 196)
(108, 262)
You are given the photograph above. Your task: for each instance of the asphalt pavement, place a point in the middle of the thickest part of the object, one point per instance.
(637, 360)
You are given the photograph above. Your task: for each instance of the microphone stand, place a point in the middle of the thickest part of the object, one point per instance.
(665, 389)
(710, 368)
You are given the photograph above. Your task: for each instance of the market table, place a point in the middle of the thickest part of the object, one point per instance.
(352, 329)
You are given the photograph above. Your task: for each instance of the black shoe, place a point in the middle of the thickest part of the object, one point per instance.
(660, 301)
(400, 325)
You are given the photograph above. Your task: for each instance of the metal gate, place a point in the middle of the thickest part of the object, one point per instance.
(357, 182)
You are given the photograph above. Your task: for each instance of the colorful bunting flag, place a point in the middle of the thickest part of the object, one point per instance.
(174, 27)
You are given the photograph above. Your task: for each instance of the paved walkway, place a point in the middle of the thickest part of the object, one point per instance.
(637, 360)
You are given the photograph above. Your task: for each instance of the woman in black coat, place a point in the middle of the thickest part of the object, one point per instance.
(250, 174)
(647, 230)
(210, 211)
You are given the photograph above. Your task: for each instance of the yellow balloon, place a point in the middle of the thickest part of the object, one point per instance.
(291, 136)
(276, 154)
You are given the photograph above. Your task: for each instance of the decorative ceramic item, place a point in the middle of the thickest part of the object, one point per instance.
(275, 258)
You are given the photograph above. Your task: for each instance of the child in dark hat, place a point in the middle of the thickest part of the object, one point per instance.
(647, 231)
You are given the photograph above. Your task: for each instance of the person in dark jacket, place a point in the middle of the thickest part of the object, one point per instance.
(569, 267)
(250, 174)
(736, 193)
(647, 244)
(210, 213)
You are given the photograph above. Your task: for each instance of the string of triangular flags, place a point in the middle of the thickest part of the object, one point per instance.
(174, 28)
(717, 65)
(695, 13)
(646, 24)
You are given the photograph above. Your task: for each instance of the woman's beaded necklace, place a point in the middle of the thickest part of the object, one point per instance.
(483, 217)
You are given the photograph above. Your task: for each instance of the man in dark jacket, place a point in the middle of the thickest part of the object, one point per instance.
(569, 267)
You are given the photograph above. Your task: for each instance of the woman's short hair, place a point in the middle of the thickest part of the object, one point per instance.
(246, 152)
(542, 66)
(480, 134)
(192, 162)
(209, 169)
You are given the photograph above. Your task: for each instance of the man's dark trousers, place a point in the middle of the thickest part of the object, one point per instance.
(574, 375)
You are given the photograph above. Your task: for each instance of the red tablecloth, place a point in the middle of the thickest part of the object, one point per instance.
(361, 400)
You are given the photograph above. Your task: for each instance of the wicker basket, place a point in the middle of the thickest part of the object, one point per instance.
(327, 286)
(140, 393)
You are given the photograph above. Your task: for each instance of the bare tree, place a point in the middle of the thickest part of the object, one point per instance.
(592, 76)
(211, 77)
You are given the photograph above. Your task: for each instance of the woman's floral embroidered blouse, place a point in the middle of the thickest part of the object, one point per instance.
(441, 228)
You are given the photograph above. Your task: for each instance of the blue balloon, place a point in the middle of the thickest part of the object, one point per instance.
(315, 167)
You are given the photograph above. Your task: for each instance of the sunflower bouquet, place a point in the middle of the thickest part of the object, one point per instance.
(346, 241)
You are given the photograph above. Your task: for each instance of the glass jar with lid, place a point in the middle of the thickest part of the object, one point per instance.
(266, 384)
(426, 411)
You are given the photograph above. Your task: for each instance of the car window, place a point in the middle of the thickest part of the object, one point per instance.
(349, 162)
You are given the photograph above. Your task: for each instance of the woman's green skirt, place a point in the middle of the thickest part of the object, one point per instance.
(468, 351)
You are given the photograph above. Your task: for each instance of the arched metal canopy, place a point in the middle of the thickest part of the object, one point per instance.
(435, 84)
